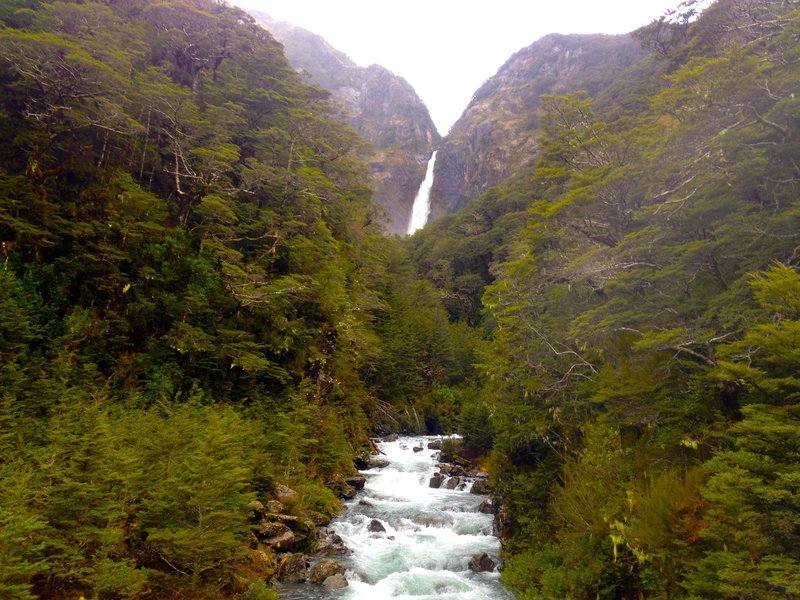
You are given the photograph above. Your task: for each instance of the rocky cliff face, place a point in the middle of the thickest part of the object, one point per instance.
(380, 105)
(497, 133)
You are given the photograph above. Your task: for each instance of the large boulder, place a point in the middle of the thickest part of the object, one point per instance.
(335, 582)
(481, 486)
(487, 507)
(276, 535)
(356, 481)
(376, 526)
(452, 483)
(482, 563)
(324, 568)
(293, 568)
(285, 494)
(378, 463)
(436, 481)
(329, 543)
(435, 445)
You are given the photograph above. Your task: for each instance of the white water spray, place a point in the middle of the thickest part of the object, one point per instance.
(422, 203)
(430, 535)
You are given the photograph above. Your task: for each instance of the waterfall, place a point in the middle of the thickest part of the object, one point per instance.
(422, 203)
(426, 539)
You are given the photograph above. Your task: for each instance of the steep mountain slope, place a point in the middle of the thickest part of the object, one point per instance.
(380, 105)
(498, 132)
(643, 311)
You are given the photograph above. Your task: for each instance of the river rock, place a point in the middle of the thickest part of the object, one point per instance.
(481, 563)
(435, 445)
(285, 494)
(276, 535)
(436, 481)
(481, 486)
(335, 582)
(378, 463)
(376, 526)
(452, 483)
(329, 543)
(487, 507)
(418, 448)
(348, 492)
(392, 437)
(361, 463)
(324, 568)
(356, 481)
(293, 568)
(451, 469)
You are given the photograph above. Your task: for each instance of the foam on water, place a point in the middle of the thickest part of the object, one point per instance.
(430, 536)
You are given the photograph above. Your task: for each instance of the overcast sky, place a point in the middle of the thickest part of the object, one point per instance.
(447, 48)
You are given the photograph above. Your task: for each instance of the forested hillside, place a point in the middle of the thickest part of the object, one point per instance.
(642, 316)
(201, 324)
(192, 290)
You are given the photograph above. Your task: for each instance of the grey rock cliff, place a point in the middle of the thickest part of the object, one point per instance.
(497, 133)
(378, 104)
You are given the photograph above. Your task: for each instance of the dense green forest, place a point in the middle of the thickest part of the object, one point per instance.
(639, 294)
(194, 293)
(198, 307)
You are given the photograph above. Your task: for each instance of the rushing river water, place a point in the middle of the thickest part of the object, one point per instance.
(430, 536)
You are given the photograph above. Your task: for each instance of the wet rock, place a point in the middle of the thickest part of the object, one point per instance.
(392, 437)
(481, 486)
(365, 503)
(361, 463)
(348, 493)
(378, 463)
(436, 481)
(324, 568)
(451, 469)
(329, 543)
(435, 445)
(335, 582)
(452, 483)
(293, 568)
(276, 535)
(285, 494)
(418, 448)
(482, 563)
(487, 507)
(375, 526)
(356, 481)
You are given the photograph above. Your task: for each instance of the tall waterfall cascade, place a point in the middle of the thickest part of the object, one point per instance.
(422, 203)
(426, 536)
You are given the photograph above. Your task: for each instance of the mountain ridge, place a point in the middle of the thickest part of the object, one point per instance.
(380, 105)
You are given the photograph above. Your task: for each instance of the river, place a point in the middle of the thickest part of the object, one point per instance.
(430, 536)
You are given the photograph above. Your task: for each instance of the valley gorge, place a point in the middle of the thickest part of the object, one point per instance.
(378, 104)
(233, 366)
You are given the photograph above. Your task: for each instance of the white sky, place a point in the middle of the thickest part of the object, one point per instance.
(447, 48)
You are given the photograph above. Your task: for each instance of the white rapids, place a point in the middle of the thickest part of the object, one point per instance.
(430, 536)
(422, 203)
